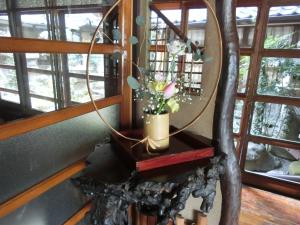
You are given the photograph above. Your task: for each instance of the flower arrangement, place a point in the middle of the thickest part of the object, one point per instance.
(162, 92)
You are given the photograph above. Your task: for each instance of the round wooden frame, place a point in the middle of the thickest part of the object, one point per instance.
(146, 140)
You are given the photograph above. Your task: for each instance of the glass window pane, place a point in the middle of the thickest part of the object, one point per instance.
(30, 3)
(193, 74)
(11, 97)
(77, 64)
(79, 92)
(41, 61)
(280, 77)
(41, 84)
(159, 56)
(194, 68)
(196, 26)
(83, 2)
(104, 76)
(283, 31)
(40, 74)
(238, 112)
(160, 32)
(160, 61)
(42, 104)
(80, 27)
(244, 71)
(2, 5)
(276, 121)
(8, 79)
(274, 161)
(246, 20)
(7, 59)
(4, 26)
(34, 26)
(173, 15)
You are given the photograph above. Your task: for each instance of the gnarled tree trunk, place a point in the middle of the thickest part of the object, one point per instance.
(223, 133)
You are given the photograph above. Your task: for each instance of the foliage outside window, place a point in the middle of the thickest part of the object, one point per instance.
(270, 140)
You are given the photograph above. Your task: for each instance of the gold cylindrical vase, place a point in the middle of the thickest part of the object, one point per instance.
(156, 127)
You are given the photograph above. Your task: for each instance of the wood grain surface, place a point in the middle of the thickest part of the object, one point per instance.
(266, 208)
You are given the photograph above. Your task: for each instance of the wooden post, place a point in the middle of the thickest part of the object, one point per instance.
(179, 220)
(141, 52)
(151, 220)
(170, 222)
(126, 24)
(143, 219)
(201, 219)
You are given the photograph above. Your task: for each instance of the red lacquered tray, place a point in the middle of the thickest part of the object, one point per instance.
(183, 148)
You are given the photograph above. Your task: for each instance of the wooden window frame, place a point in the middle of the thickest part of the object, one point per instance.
(250, 97)
(22, 45)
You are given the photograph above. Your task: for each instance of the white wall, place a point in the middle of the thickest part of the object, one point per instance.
(204, 125)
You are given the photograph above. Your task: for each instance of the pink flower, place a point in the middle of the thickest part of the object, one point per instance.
(170, 90)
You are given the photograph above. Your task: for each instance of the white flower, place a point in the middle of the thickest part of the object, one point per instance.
(176, 47)
(159, 77)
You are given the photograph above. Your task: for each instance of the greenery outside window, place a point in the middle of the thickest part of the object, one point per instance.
(268, 133)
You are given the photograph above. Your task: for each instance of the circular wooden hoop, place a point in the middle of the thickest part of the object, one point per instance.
(210, 9)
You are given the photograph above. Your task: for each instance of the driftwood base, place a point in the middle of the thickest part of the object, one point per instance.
(161, 199)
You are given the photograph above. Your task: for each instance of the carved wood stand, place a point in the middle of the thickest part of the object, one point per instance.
(161, 199)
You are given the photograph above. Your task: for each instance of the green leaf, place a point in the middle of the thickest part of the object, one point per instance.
(116, 34)
(196, 57)
(173, 66)
(140, 20)
(188, 43)
(133, 83)
(198, 51)
(133, 40)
